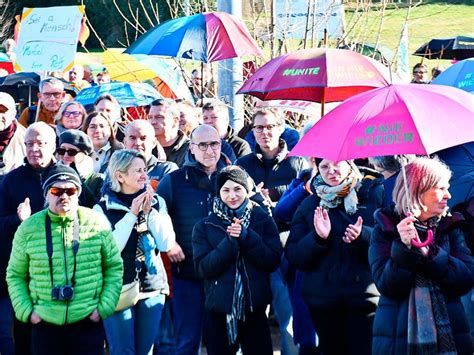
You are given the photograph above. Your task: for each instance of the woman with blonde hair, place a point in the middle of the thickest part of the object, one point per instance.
(421, 265)
(71, 115)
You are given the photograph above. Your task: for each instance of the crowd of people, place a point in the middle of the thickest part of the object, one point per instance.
(156, 235)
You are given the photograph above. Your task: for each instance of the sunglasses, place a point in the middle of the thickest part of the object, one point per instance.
(70, 152)
(74, 114)
(57, 191)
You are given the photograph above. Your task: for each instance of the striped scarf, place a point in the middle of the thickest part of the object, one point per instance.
(429, 329)
(227, 214)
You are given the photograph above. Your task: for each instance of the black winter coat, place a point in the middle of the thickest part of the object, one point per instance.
(335, 271)
(17, 185)
(215, 259)
(188, 193)
(394, 267)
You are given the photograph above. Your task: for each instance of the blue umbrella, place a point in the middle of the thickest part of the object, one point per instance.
(459, 75)
(460, 159)
(127, 94)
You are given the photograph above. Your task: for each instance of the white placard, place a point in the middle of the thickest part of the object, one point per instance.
(48, 38)
(290, 18)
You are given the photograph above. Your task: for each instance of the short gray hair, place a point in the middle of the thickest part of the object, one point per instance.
(42, 127)
(263, 111)
(121, 161)
(51, 81)
(170, 105)
(422, 174)
(63, 108)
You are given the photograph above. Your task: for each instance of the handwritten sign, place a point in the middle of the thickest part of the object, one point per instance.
(48, 38)
(291, 18)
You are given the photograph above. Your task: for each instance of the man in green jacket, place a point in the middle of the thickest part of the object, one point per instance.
(65, 271)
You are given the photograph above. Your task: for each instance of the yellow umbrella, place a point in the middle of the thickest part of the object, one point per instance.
(124, 67)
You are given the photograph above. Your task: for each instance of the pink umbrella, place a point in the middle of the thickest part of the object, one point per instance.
(397, 119)
(318, 75)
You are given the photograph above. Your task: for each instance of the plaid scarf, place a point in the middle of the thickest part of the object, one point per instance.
(227, 214)
(332, 196)
(429, 329)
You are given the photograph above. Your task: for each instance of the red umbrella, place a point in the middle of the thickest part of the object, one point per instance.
(319, 75)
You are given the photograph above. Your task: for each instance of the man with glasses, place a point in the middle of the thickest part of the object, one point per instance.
(420, 74)
(12, 137)
(65, 271)
(21, 195)
(50, 96)
(272, 170)
(188, 193)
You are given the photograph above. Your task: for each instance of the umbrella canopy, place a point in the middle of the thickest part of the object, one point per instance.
(206, 37)
(318, 75)
(459, 75)
(397, 119)
(460, 47)
(127, 94)
(460, 160)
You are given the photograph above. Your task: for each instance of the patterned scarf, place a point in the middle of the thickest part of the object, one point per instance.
(227, 214)
(6, 135)
(429, 329)
(332, 196)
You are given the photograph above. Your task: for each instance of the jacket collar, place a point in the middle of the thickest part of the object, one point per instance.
(279, 157)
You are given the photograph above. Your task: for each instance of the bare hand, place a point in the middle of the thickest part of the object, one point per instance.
(407, 230)
(95, 316)
(24, 210)
(353, 231)
(235, 228)
(322, 223)
(35, 318)
(176, 254)
(147, 200)
(137, 203)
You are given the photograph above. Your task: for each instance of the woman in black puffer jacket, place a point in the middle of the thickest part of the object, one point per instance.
(235, 250)
(420, 311)
(328, 241)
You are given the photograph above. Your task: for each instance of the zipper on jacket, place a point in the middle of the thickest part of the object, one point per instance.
(63, 234)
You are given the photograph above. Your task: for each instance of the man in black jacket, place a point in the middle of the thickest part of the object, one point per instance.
(21, 195)
(216, 114)
(188, 193)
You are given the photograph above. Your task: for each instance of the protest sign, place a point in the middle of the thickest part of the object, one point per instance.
(48, 38)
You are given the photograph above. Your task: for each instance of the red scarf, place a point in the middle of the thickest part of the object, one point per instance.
(6, 135)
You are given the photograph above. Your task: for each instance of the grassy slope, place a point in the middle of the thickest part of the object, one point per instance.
(427, 21)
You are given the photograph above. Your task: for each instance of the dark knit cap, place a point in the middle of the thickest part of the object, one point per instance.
(78, 139)
(62, 173)
(234, 173)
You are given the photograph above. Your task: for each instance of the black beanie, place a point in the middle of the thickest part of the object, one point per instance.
(78, 139)
(62, 173)
(234, 173)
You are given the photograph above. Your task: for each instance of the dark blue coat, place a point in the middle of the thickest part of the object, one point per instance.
(17, 185)
(188, 193)
(335, 271)
(216, 253)
(394, 267)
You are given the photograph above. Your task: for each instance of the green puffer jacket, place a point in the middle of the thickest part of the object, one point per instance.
(98, 272)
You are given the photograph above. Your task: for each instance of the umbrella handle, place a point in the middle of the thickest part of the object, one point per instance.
(427, 242)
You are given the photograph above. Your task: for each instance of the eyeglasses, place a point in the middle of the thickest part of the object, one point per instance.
(259, 129)
(204, 146)
(419, 72)
(49, 95)
(57, 191)
(31, 144)
(74, 114)
(70, 152)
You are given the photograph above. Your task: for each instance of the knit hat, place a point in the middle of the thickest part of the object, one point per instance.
(62, 173)
(234, 173)
(78, 139)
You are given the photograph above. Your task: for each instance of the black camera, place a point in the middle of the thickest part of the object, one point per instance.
(62, 293)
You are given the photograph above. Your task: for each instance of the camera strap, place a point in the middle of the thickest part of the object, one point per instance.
(49, 247)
